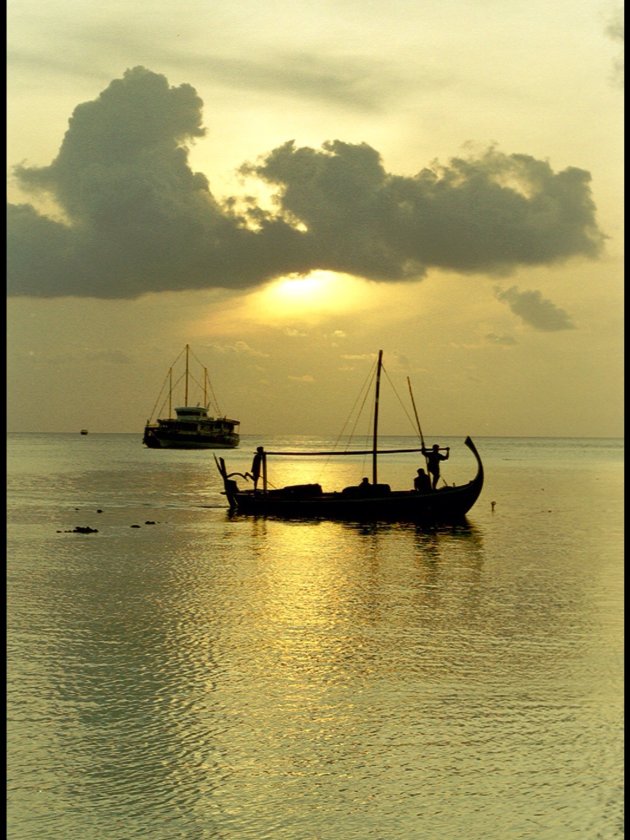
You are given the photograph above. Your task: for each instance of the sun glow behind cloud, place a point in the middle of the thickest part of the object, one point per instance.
(310, 297)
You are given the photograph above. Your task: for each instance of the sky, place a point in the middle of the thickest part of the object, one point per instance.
(291, 187)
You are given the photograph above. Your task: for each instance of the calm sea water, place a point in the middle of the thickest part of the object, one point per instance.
(209, 676)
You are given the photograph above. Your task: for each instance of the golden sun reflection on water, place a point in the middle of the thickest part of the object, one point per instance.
(216, 675)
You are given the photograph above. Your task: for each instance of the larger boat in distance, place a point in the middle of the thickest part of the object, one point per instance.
(192, 427)
(365, 502)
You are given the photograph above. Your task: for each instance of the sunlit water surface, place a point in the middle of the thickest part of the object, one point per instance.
(209, 676)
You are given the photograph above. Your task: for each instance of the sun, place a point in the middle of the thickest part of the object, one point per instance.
(301, 290)
(309, 296)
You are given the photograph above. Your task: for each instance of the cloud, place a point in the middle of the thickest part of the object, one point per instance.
(504, 340)
(305, 378)
(535, 310)
(339, 80)
(615, 31)
(137, 219)
(115, 357)
(488, 213)
(239, 348)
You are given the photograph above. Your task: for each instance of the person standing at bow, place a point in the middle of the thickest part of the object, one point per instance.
(433, 461)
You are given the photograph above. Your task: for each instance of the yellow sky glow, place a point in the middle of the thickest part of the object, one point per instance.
(531, 348)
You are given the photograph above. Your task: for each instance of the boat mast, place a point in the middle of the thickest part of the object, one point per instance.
(376, 398)
(186, 391)
(415, 411)
(205, 388)
(170, 392)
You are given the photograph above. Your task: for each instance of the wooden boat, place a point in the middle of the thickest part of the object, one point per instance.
(191, 427)
(369, 502)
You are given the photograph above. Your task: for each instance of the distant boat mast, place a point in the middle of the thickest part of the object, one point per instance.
(376, 399)
(186, 391)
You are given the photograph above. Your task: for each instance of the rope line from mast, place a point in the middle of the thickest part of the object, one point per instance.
(416, 428)
(153, 410)
(178, 382)
(207, 378)
(361, 397)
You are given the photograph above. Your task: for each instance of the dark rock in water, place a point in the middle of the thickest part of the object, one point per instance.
(135, 526)
(83, 529)
(98, 510)
(149, 522)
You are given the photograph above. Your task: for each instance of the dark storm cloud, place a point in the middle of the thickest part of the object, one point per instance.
(535, 310)
(139, 220)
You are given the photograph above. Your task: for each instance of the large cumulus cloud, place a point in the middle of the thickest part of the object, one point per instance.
(488, 213)
(138, 219)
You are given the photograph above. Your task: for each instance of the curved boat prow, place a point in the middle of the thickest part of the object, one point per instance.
(479, 477)
(230, 486)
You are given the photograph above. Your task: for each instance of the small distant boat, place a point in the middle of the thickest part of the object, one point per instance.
(364, 502)
(192, 427)
(84, 431)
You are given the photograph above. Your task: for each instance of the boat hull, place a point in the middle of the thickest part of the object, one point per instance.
(450, 504)
(378, 502)
(176, 439)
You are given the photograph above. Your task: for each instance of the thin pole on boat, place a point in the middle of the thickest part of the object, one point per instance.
(264, 470)
(376, 399)
(186, 392)
(415, 411)
(205, 383)
(170, 392)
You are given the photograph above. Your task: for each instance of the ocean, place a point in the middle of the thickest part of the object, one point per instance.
(180, 672)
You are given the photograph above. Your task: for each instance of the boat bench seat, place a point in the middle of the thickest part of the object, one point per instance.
(299, 491)
(370, 490)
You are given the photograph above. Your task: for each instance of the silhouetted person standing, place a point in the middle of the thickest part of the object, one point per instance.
(256, 464)
(433, 461)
